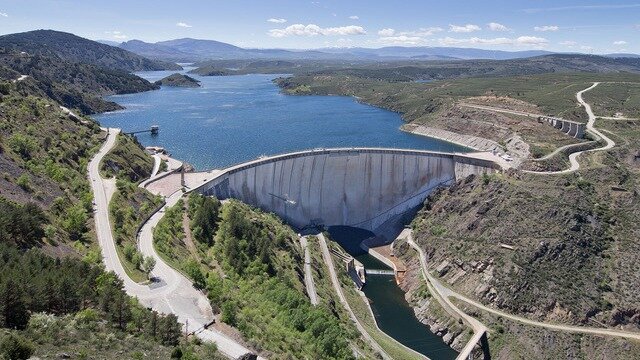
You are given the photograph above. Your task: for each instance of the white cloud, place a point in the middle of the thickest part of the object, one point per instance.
(116, 34)
(421, 32)
(568, 43)
(620, 42)
(313, 30)
(401, 40)
(277, 20)
(386, 32)
(354, 17)
(586, 48)
(546, 28)
(184, 25)
(519, 41)
(464, 28)
(493, 26)
(4, 14)
(531, 40)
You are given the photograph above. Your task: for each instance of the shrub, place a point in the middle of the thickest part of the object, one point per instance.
(24, 182)
(193, 271)
(16, 347)
(22, 145)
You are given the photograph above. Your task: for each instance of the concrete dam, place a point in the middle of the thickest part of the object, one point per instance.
(359, 187)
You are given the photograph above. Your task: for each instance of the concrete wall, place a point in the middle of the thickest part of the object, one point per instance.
(353, 187)
(571, 128)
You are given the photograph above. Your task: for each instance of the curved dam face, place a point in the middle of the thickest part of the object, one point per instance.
(352, 187)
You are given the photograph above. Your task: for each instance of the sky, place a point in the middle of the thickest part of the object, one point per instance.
(560, 25)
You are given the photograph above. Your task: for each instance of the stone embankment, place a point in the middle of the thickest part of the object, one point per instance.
(470, 141)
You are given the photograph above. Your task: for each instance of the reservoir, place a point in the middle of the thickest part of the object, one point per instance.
(233, 119)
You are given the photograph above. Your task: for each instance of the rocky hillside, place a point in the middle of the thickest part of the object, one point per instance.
(75, 49)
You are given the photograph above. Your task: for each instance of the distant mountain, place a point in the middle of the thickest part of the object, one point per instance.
(622, 55)
(435, 52)
(156, 51)
(73, 48)
(201, 48)
(195, 50)
(109, 42)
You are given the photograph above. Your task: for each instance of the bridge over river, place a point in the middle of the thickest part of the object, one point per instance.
(359, 187)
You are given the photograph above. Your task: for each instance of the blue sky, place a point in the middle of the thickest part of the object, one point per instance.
(590, 27)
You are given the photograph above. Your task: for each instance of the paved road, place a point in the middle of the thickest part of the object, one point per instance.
(173, 293)
(501, 110)
(308, 276)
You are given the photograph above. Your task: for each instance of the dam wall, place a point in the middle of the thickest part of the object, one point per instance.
(352, 187)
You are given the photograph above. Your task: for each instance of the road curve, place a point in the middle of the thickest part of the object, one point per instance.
(173, 293)
(573, 158)
(447, 293)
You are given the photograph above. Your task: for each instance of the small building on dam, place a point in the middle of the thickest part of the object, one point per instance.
(359, 187)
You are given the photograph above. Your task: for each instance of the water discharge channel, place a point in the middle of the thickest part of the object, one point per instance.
(238, 118)
(390, 308)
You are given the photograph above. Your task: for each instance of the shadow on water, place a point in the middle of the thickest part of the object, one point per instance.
(390, 308)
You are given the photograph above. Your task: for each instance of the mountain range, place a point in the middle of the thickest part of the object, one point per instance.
(196, 50)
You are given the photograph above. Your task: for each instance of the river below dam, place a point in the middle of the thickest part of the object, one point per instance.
(233, 119)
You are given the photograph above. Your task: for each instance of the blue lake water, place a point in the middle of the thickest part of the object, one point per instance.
(232, 119)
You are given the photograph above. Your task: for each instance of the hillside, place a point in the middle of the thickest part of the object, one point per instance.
(74, 85)
(75, 49)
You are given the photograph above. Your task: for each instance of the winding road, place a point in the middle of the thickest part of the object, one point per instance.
(573, 158)
(171, 292)
(444, 294)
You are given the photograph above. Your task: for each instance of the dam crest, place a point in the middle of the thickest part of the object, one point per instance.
(359, 187)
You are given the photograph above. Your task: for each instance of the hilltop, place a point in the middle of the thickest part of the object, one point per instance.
(72, 48)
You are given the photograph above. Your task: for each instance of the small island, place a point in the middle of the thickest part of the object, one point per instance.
(210, 70)
(178, 80)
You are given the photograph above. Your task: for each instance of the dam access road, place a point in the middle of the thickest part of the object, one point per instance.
(172, 292)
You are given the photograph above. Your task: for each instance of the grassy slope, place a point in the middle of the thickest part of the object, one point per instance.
(609, 99)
